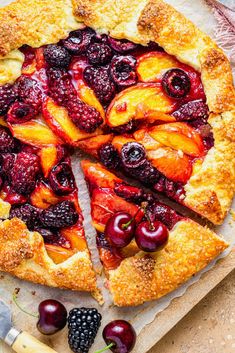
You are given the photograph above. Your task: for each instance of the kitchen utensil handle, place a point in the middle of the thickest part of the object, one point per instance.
(25, 343)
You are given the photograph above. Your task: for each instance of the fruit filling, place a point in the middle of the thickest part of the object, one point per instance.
(77, 91)
(126, 218)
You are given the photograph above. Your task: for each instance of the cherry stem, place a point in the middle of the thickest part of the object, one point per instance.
(14, 297)
(106, 348)
(126, 225)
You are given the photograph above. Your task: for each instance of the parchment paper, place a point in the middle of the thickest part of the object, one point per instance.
(30, 294)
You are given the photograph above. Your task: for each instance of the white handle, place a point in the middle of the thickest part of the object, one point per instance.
(26, 343)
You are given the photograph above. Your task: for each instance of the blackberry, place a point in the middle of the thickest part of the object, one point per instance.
(192, 111)
(109, 156)
(27, 213)
(6, 163)
(147, 174)
(123, 70)
(61, 179)
(49, 236)
(7, 141)
(20, 112)
(85, 117)
(83, 325)
(102, 241)
(29, 92)
(7, 97)
(99, 80)
(61, 215)
(57, 56)
(60, 86)
(99, 54)
(121, 45)
(23, 174)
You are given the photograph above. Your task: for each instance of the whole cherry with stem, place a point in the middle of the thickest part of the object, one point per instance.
(52, 315)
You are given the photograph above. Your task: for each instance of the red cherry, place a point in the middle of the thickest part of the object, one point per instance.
(122, 334)
(151, 237)
(120, 229)
(52, 317)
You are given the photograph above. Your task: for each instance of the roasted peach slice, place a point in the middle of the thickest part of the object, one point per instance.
(109, 259)
(119, 141)
(142, 136)
(75, 236)
(35, 132)
(179, 136)
(59, 121)
(48, 156)
(58, 254)
(151, 66)
(175, 165)
(2, 121)
(87, 95)
(92, 145)
(43, 196)
(139, 102)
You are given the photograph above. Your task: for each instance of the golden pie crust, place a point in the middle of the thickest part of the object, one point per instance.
(211, 187)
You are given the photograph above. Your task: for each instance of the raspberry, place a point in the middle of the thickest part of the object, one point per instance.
(27, 213)
(78, 41)
(60, 85)
(121, 46)
(61, 215)
(83, 324)
(123, 70)
(164, 214)
(7, 97)
(29, 92)
(57, 56)
(7, 142)
(192, 111)
(176, 83)
(85, 117)
(98, 79)
(99, 54)
(61, 179)
(24, 172)
(129, 193)
(20, 112)
(109, 156)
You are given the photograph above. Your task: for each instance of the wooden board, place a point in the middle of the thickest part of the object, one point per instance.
(181, 306)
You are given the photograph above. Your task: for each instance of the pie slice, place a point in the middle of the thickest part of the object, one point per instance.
(42, 239)
(136, 276)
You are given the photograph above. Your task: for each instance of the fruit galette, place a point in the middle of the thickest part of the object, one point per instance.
(140, 88)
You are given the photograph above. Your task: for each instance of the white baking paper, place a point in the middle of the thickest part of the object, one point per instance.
(30, 294)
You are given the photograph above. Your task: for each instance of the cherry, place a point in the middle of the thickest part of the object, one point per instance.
(151, 236)
(120, 336)
(52, 317)
(119, 229)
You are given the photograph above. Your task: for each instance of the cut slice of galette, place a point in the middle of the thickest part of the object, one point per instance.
(147, 249)
(135, 84)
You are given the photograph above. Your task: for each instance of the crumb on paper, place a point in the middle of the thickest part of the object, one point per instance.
(33, 292)
(232, 212)
(2, 276)
(16, 291)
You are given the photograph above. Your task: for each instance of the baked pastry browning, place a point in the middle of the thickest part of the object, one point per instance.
(53, 97)
(135, 276)
(23, 254)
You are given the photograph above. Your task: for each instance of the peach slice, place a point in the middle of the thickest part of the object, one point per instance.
(92, 145)
(142, 136)
(48, 157)
(58, 254)
(35, 132)
(119, 141)
(139, 102)
(179, 136)
(59, 121)
(110, 260)
(175, 165)
(87, 95)
(43, 196)
(75, 235)
(3, 122)
(151, 66)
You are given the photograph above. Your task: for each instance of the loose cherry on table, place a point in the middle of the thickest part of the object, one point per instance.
(119, 336)
(52, 316)
(151, 236)
(120, 229)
